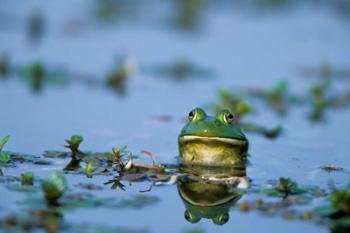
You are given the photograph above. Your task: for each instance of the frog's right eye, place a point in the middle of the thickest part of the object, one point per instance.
(191, 115)
(196, 114)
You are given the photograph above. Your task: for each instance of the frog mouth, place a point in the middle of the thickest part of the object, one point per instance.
(231, 141)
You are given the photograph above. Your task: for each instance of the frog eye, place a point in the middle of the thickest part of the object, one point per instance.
(225, 116)
(196, 114)
(191, 217)
(191, 115)
(221, 219)
(229, 117)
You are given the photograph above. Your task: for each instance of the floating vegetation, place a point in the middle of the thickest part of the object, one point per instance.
(4, 65)
(52, 220)
(73, 144)
(181, 69)
(108, 11)
(89, 169)
(326, 71)
(322, 99)
(27, 178)
(188, 14)
(278, 98)
(340, 201)
(38, 74)
(287, 187)
(54, 186)
(331, 168)
(235, 103)
(290, 192)
(117, 78)
(319, 102)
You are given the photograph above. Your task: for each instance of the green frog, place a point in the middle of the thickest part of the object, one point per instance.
(212, 141)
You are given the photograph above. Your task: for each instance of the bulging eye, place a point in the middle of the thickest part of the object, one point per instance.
(229, 117)
(196, 114)
(191, 115)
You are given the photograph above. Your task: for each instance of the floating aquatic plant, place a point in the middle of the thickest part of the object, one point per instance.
(188, 14)
(54, 187)
(4, 65)
(117, 156)
(340, 200)
(73, 144)
(38, 74)
(286, 186)
(278, 97)
(4, 156)
(27, 178)
(237, 103)
(117, 78)
(331, 168)
(89, 169)
(319, 101)
(240, 107)
(181, 69)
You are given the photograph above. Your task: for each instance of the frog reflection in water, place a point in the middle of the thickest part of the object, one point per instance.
(214, 141)
(212, 197)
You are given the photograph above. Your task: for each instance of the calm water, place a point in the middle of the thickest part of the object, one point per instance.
(242, 45)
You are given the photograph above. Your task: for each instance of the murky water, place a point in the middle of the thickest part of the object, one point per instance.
(242, 46)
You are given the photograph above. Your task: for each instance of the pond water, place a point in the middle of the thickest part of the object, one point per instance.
(242, 44)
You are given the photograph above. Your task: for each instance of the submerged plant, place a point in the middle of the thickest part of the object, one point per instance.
(73, 144)
(4, 156)
(27, 178)
(54, 187)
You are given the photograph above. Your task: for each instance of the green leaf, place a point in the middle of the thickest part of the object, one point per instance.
(4, 157)
(3, 141)
(27, 178)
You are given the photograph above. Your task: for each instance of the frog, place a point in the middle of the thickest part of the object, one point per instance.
(212, 141)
